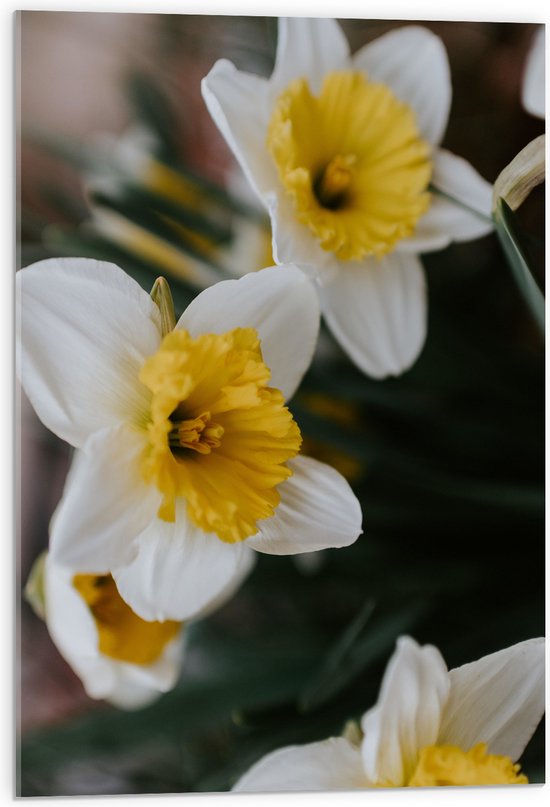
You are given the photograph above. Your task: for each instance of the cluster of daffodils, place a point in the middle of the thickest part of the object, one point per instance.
(187, 459)
(431, 727)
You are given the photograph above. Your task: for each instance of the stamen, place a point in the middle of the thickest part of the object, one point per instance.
(334, 180)
(198, 434)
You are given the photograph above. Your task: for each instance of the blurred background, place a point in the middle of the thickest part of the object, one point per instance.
(119, 159)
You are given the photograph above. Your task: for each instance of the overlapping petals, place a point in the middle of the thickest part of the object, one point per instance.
(74, 631)
(79, 318)
(497, 700)
(412, 63)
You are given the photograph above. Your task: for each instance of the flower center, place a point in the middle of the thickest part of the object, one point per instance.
(353, 163)
(198, 434)
(334, 180)
(122, 634)
(218, 436)
(441, 765)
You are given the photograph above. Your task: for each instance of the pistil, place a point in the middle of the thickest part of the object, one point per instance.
(333, 182)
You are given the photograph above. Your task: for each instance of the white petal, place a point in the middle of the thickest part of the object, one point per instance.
(180, 571)
(309, 48)
(137, 685)
(318, 510)
(461, 211)
(73, 631)
(85, 329)
(413, 63)
(239, 105)
(333, 764)
(407, 715)
(292, 240)
(280, 303)
(105, 504)
(498, 699)
(377, 311)
(532, 91)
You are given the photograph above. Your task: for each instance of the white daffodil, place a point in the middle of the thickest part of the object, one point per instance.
(532, 89)
(343, 152)
(188, 459)
(118, 656)
(430, 727)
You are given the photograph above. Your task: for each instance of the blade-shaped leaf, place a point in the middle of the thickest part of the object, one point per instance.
(350, 656)
(508, 235)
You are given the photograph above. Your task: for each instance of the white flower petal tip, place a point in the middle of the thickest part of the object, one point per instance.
(532, 91)
(74, 631)
(407, 715)
(308, 46)
(280, 303)
(237, 102)
(498, 700)
(318, 510)
(378, 313)
(333, 764)
(412, 61)
(85, 329)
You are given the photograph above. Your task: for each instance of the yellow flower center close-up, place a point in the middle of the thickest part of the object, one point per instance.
(441, 765)
(353, 163)
(218, 436)
(122, 634)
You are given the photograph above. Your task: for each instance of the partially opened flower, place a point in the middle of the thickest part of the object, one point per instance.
(343, 151)
(118, 656)
(430, 727)
(188, 457)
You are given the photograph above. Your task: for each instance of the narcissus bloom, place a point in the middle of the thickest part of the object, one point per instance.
(118, 656)
(343, 152)
(188, 456)
(430, 727)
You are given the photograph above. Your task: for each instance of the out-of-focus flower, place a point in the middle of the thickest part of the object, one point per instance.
(343, 152)
(532, 91)
(129, 167)
(187, 459)
(430, 727)
(118, 656)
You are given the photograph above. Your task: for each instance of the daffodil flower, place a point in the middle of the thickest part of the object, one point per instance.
(430, 727)
(188, 459)
(344, 153)
(118, 656)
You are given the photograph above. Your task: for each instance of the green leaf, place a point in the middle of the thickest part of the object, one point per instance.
(350, 656)
(509, 237)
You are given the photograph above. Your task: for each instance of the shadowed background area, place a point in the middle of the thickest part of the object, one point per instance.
(447, 460)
